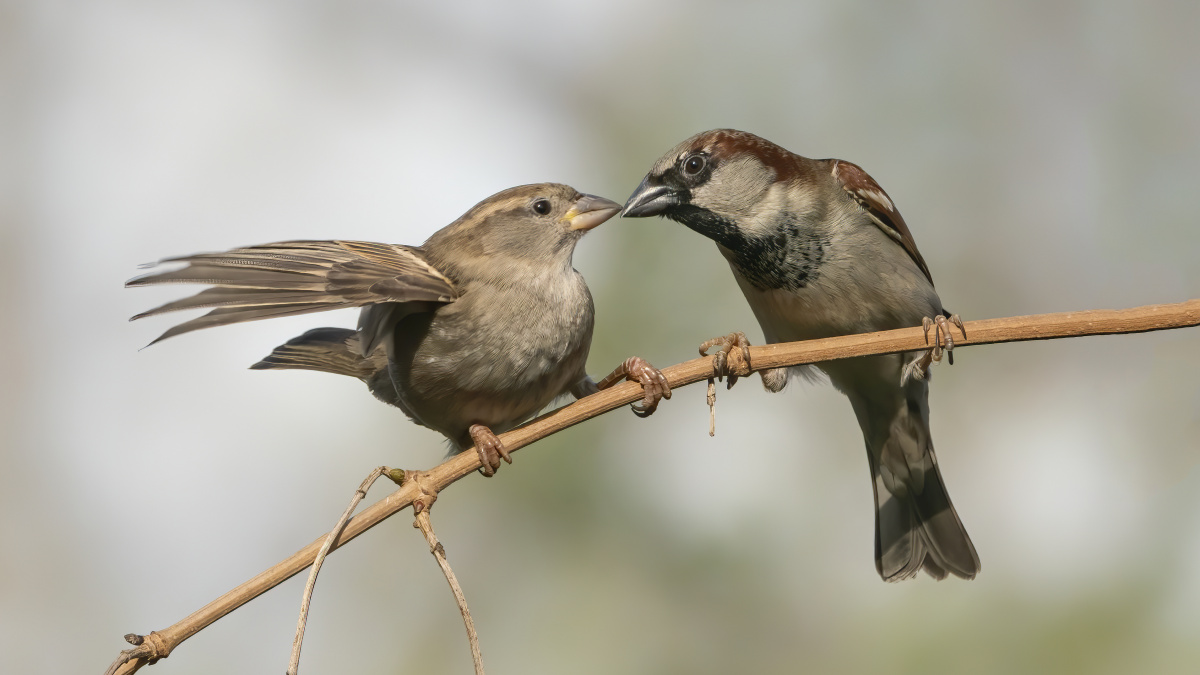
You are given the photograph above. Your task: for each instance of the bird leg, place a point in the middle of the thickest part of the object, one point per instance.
(728, 343)
(941, 335)
(654, 383)
(490, 449)
(943, 342)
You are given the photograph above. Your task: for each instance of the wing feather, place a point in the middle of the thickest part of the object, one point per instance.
(864, 190)
(298, 277)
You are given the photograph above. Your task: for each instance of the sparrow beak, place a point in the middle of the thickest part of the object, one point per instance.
(650, 200)
(589, 211)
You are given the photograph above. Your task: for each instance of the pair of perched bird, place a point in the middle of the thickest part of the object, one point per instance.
(474, 331)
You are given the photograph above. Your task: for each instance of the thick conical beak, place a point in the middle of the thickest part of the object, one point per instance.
(649, 200)
(589, 211)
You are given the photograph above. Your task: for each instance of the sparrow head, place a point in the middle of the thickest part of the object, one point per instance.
(721, 174)
(533, 224)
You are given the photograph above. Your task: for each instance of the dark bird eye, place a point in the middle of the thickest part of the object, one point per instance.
(541, 207)
(693, 165)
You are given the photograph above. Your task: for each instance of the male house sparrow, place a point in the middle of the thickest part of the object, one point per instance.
(469, 334)
(819, 250)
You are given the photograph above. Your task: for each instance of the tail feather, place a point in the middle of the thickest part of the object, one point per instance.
(916, 526)
(337, 351)
(921, 531)
(942, 531)
(329, 350)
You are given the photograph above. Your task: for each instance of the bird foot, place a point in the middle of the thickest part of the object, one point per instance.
(654, 383)
(943, 343)
(490, 449)
(736, 344)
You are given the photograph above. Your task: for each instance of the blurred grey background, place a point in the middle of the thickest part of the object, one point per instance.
(1046, 156)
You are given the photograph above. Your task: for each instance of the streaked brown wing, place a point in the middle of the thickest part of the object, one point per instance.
(297, 277)
(879, 206)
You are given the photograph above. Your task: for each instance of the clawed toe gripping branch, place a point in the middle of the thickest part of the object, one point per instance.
(943, 343)
(725, 365)
(418, 486)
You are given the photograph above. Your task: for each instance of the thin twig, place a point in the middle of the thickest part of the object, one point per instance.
(435, 547)
(306, 599)
(711, 397)
(988, 331)
(147, 650)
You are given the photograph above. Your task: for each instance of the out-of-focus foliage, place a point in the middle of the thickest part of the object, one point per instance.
(1045, 156)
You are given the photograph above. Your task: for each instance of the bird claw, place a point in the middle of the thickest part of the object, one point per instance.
(654, 383)
(721, 365)
(490, 449)
(943, 344)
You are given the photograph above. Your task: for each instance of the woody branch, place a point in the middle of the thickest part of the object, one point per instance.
(158, 644)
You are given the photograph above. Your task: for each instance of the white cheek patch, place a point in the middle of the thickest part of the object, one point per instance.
(736, 189)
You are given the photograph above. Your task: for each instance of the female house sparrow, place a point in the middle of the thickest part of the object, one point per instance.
(469, 334)
(819, 250)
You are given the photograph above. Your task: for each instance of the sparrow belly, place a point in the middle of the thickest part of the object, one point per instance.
(454, 372)
(843, 299)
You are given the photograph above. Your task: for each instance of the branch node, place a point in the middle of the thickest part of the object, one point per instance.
(427, 495)
(159, 649)
(149, 648)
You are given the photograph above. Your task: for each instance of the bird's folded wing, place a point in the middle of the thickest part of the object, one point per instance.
(864, 190)
(297, 277)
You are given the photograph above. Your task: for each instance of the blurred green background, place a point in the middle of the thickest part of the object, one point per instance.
(1046, 156)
